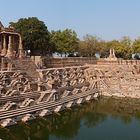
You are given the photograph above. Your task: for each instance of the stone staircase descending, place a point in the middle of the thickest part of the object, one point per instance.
(26, 65)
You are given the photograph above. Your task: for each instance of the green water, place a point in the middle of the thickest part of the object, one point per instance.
(105, 119)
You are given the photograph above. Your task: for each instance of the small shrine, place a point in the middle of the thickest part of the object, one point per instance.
(112, 56)
(10, 43)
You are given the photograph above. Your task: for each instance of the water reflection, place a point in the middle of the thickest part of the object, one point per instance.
(70, 123)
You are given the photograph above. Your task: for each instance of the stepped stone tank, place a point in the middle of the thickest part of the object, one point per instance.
(28, 91)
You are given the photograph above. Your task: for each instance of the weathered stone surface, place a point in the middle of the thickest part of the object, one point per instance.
(27, 92)
(117, 80)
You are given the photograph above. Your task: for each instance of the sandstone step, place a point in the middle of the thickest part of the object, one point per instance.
(26, 65)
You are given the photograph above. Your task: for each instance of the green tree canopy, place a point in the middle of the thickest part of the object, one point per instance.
(34, 34)
(136, 46)
(126, 41)
(89, 46)
(37, 38)
(103, 49)
(92, 45)
(64, 41)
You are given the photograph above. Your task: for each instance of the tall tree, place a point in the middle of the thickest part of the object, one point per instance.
(89, 46)
(103, 49)
(136, 46)
(65, 41)
(34, 34)
(126, 41)
(82, 49)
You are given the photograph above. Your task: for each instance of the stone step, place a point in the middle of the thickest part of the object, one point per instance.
(26, 65)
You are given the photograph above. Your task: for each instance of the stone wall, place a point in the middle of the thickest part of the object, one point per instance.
(68, 61)
(119, 62)
(116, 80)
(80, 61)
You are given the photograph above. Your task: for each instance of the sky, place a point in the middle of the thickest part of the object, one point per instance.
(107, 19)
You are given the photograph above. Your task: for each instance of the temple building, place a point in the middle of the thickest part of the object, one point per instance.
(10, 43)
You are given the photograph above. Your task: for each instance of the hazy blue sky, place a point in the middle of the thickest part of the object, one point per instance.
(108, 19)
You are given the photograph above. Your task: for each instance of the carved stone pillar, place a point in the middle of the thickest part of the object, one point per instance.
(4, 50)
(9, 67)
(39, 86)
(21, 51)
(10, 48)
